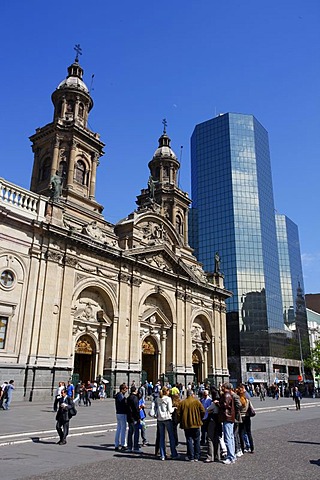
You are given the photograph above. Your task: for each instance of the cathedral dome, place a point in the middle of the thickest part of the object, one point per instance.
(74, 78)
(74, 82)
(164, 149)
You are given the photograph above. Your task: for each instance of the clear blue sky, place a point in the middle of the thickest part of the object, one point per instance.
(185, 60)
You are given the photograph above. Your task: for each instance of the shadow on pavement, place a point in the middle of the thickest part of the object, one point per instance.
(306, 443)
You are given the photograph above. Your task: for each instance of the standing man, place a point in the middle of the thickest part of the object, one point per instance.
(227, 411)
(190, 415)
(206, 402)
(296, 397)
(70, 390)
(133, 419)
(64, 405)
(121, 414)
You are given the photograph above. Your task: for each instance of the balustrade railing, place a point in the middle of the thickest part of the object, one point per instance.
(17, 198)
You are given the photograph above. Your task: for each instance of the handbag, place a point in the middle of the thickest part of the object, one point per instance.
(251, 411)
(152, 411)
(72, 411)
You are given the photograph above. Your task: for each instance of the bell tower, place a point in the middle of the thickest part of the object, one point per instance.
(67, 147)
(163, 193)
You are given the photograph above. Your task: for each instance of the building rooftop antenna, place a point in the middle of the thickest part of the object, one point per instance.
(181, 150)
(91, 83)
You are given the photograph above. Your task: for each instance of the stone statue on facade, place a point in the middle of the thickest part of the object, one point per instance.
(217, 263)
(55, 187)
(151, 187)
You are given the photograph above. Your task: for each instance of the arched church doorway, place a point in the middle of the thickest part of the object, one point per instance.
(150, 359)
(84, 358)
(197, 366)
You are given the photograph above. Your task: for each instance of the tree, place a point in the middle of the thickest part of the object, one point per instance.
(313, 361)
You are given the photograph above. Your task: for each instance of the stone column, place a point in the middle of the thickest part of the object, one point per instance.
(95, 163)
(55, 156)
(76, 108)
(102, 351)
(161, 172)
(180, 330)
(123, 324)
(135, 341)
(188, 338)
(65, 347)
(217, 329)
(185, 230)
(72, 159)
(63, 108)
(163, 351)
(223, 329)
(205, 361)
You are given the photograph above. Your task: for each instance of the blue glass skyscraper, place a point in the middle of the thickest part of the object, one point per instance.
(233, 214)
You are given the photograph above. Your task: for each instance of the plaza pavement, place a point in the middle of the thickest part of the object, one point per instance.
(287, 446)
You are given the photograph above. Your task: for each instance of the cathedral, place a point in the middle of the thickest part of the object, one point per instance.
(82, 298)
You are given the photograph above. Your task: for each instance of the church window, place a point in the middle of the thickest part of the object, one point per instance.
(81, 109)
(45, 170)
(3, 331)
(6, 279)
(63, 169)
(179, 225)
(70, 106)
(80, 173)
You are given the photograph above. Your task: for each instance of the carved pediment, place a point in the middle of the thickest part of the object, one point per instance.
(153, 316)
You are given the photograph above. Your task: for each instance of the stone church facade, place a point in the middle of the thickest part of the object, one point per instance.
(80, 296)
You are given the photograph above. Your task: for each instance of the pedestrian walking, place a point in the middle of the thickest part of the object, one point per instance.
(8, 394)
(64, 406)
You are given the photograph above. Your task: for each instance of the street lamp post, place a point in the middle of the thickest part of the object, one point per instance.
(301, 357)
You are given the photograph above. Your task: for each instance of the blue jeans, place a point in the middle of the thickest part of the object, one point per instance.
(229, 440)
(120, 438)
(163, 426)
(133, 430)
(193, 442)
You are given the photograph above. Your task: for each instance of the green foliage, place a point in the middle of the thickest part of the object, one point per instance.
(314, 360)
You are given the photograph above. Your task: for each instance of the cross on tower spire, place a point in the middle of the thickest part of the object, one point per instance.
(78, 49)
(165, 123)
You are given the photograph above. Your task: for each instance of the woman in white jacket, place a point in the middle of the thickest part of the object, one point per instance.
(164, 419)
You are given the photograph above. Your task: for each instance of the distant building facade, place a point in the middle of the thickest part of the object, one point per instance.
(313, 301)
(82, 297)
(233, 214)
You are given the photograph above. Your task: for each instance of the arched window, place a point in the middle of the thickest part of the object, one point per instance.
(80, 173)
(63, 169)
(81, 109)
(70, 106)
(179, 225)
(44, 172)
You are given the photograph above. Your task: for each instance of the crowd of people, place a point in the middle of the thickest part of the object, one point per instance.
(81, 393)
(219, 421)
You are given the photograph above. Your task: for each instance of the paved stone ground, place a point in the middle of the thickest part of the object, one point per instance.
(287, 446)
